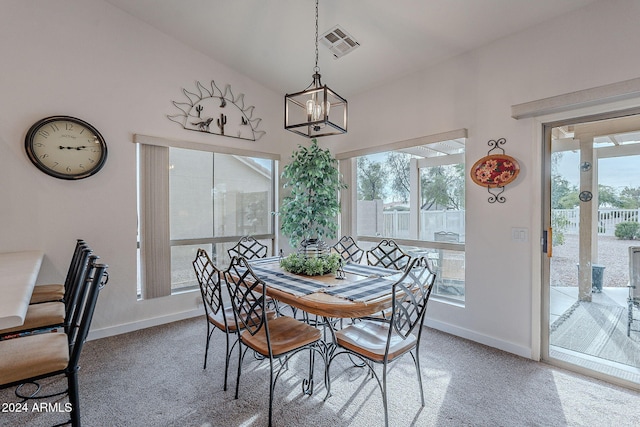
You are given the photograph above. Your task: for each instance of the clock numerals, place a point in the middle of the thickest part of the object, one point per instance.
(43, 133)
(54, 127)
(69, 126)
(44, 156)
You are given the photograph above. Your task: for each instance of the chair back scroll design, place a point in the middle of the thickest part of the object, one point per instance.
(411, 294)
(248, 296)
(348, 249)
(208, 276)
(248, 247)
(388, 254)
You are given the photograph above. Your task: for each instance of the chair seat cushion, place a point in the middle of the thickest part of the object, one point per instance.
(369, 339)
(47, 293)
(32, 356)
(45, 315)
(218, 319)
(286, 334)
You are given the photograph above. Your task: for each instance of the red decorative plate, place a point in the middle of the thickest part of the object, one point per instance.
(495, 170)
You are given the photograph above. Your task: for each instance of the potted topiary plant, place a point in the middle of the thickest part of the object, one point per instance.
(310, 211)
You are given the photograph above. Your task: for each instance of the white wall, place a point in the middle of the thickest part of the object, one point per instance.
(92, 61)
(594, 46)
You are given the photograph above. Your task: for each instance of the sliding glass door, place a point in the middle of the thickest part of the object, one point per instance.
(592, 207)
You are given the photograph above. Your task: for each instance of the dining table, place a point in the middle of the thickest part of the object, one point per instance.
(18, 275)
(355, 291)
(358, 290)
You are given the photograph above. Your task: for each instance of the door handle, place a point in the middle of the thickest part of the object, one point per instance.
(547, 242)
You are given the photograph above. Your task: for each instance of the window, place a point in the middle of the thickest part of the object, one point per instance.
(416, 196)
(196, 197)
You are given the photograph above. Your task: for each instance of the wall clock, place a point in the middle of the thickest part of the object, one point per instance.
(66, 147)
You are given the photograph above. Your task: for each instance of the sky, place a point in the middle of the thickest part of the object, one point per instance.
(617, 172)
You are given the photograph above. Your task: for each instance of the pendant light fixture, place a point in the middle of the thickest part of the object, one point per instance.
(307, 113)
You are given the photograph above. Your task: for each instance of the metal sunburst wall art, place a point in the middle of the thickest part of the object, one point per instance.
(217, 112)
(495, 170)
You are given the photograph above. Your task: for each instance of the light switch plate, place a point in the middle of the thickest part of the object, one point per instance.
(520, 234)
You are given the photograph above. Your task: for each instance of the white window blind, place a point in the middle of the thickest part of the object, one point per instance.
(154, 221)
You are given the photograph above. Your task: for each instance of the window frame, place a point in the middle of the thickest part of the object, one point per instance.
(154, 276)
(348, 217)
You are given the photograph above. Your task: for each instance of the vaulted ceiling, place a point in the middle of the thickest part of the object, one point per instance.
(273, 41)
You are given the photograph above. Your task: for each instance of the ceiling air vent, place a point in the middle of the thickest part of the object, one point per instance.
(338, 41)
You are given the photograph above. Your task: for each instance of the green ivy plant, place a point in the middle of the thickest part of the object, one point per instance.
(310, 210)
(312, 266)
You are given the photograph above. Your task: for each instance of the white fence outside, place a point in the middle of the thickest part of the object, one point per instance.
(607, 219)
(395, 224)
(373, 221)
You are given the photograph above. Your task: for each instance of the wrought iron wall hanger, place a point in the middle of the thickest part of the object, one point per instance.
(218, 112)
(495, 170)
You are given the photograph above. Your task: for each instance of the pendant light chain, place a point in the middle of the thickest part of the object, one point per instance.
(316, 68)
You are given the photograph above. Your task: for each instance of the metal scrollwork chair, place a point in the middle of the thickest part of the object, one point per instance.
(217, 315)
(249, 248)
(348, 249)
(27, 359)
(378, 340)
(274, 338)
(387, 254)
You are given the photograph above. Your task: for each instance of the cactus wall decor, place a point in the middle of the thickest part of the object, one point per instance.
(205, 103)
(221, 122)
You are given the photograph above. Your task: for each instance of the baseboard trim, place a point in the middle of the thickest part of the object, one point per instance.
(509, 347)
(441, 326)
(142, 324)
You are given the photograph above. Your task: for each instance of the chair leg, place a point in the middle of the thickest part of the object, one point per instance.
(416, 360)
(384, 394)
(226, 362)
(74, 398)
(206, 349)
(271, 387)
(239, 367)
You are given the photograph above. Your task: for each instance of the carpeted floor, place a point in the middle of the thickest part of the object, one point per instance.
(598, 330)
(154, 377)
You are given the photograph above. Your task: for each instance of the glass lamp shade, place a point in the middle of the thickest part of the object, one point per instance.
(314, 112)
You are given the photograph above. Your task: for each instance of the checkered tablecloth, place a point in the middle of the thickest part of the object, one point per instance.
(368, 270)
(366, 289)
(377, 284)
(294, 284)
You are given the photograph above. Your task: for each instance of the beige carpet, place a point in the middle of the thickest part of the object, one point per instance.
(154, 377)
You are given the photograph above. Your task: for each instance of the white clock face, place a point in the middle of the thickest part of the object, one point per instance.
(66, 148)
